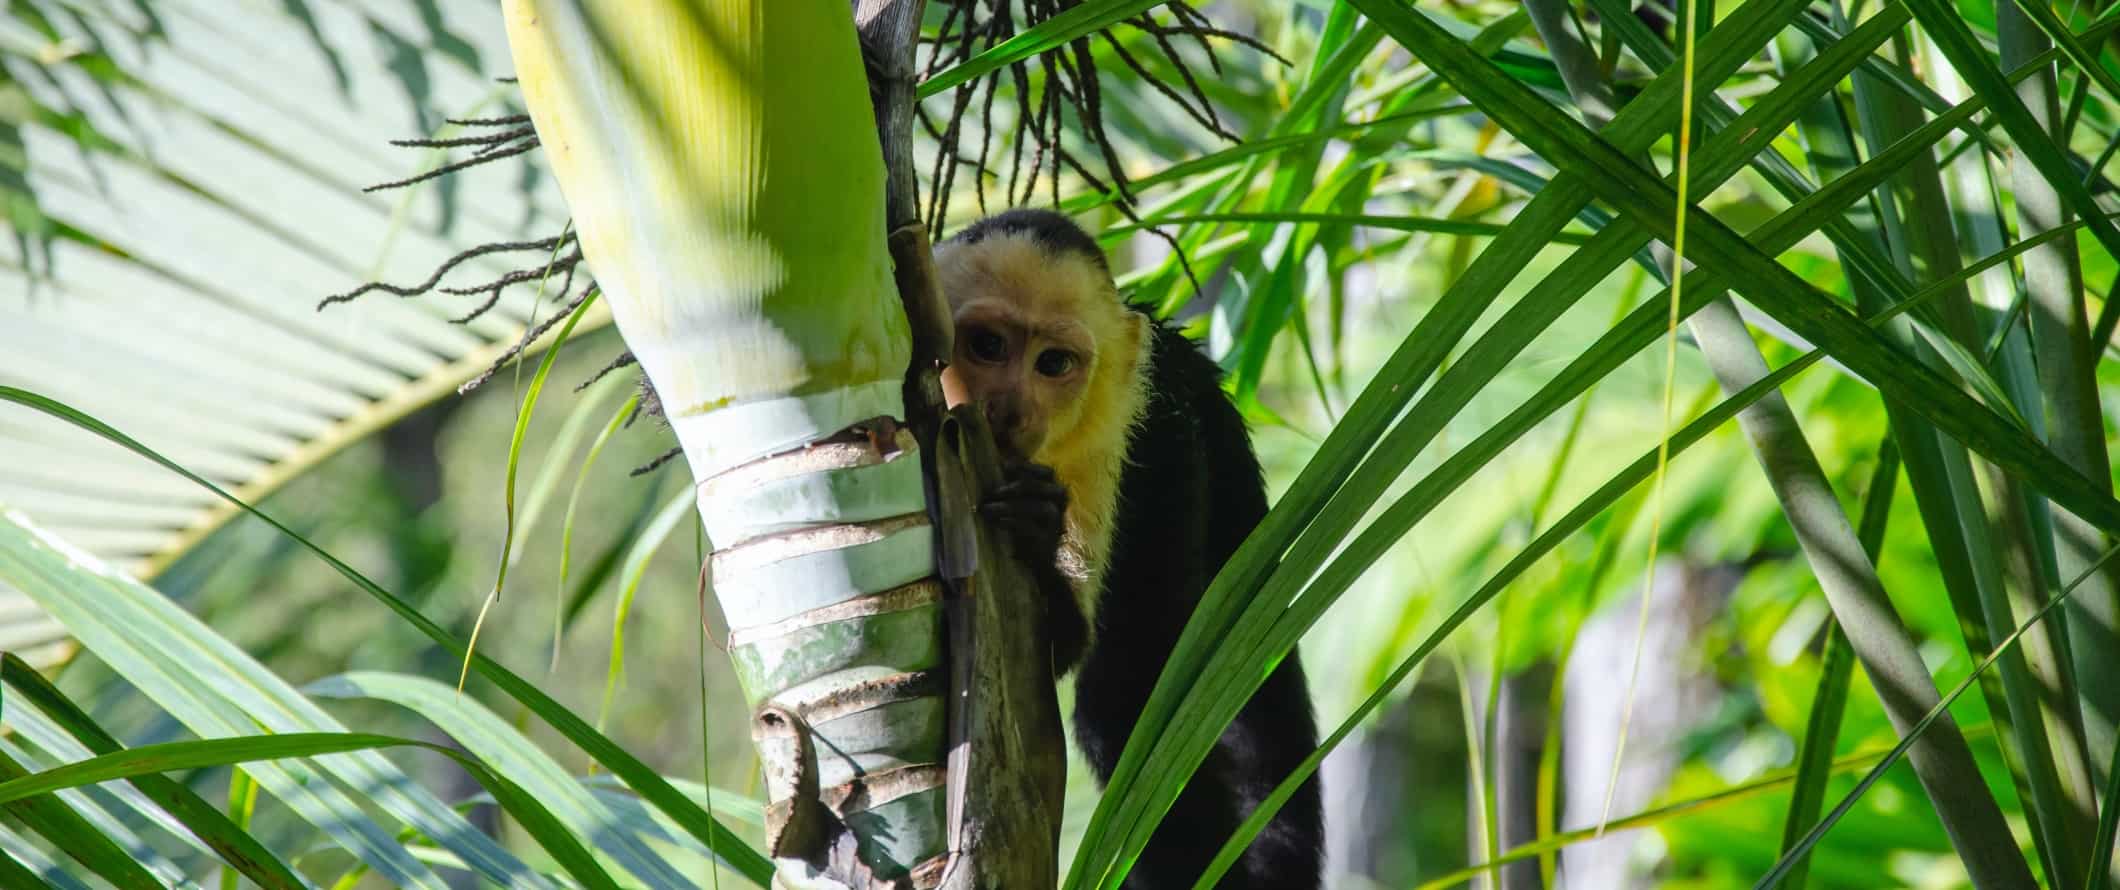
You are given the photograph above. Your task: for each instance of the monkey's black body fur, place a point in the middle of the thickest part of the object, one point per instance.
(1190, 494)
(1191, 491)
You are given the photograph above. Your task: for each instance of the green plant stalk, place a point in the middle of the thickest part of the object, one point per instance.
(242, 806)
(1844, 569)
(643, 550)
(1836, 671)
(706, 721)
(523, 412)
(2044, 743)
(2074, 425)
(1481, 821)
(560, 451)
(1602, 560)
(566, 533)
(739, 237)
(1657, 815)
(1831, 150)
(1717, 314)
(1939, 712)
(2107, 838)
(1544, 782)
(1829, 704)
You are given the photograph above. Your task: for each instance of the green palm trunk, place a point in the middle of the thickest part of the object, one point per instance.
(729, 195)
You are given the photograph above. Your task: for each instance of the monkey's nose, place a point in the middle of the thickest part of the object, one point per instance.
(1007, 424)
(1001, 416)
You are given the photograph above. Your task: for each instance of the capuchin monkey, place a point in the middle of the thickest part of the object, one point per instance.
(1131, 481)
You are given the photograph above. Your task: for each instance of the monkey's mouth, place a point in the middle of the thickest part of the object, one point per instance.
(1007, 448)
(1018, 445)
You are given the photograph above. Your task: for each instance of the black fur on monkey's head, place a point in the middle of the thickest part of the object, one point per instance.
(1052, 231)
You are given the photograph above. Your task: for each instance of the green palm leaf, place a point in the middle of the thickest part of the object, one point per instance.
(196, 213)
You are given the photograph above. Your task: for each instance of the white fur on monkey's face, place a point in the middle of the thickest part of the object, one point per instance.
(1018, 305)
(1027, 337)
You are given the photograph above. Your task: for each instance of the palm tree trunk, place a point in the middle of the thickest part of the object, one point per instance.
(729, 193)
(737, 233)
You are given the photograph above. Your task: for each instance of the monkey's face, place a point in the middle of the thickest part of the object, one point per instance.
(1028, 374)
(1025, 348)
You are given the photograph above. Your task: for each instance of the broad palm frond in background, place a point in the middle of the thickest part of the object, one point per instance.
(185, 187)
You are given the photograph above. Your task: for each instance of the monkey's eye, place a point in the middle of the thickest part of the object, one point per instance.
(986, 345)
(1055, 362)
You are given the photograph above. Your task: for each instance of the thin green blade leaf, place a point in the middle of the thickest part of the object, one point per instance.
(647, 782)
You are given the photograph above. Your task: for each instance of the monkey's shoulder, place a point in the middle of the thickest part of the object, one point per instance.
(1182, 379)
(1190, 463)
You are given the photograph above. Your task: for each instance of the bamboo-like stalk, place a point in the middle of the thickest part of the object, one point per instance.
(2073, 424)
(719, 162)
(1847, 576)
(1831, 152)
(2048, 731)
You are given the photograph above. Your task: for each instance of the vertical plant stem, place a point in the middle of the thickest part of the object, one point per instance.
(1951, 210)
(1814, 759)
(1942, 758)
(2074, 426)
(2107, 837)
(1830, 146)
(695, 144)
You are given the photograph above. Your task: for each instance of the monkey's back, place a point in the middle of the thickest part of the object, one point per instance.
(1191, 491)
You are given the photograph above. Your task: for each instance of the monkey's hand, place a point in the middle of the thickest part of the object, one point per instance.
(1030, 507)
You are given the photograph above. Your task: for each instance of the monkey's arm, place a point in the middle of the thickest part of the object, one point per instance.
(1030, 505)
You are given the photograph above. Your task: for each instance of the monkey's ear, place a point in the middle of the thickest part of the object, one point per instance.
(1137, 329)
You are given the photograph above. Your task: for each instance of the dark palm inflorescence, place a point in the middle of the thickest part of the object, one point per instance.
(491, 139)
(1064, 84)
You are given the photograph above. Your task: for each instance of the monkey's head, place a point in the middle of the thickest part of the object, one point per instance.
(1042, 340)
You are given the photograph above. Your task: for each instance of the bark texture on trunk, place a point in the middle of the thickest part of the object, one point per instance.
(1007, 751)
(743, 227)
